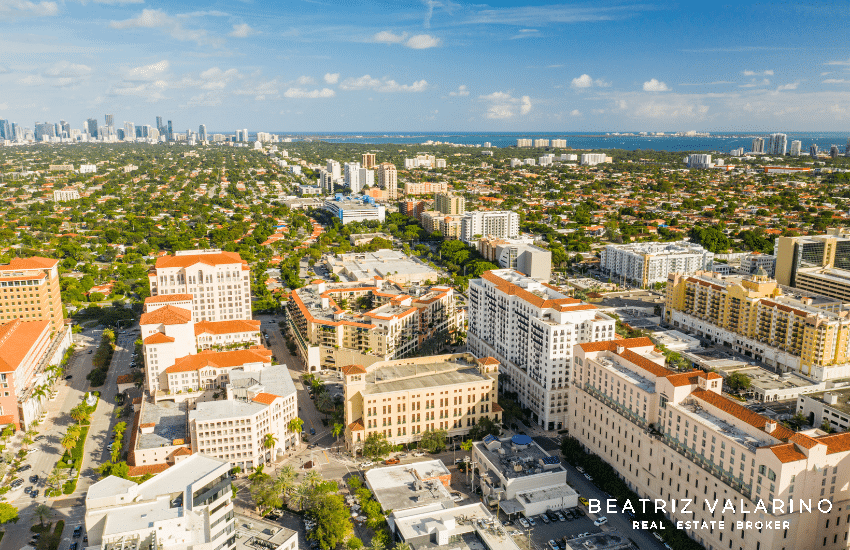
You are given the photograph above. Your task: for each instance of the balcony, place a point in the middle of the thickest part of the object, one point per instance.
(708, 466)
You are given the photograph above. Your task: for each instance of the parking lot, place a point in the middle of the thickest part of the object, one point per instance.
(541, 533)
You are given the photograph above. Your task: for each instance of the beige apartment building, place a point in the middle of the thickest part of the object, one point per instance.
(368, 160)
(674, 435)
(450, 204)
(425, 187)
(404, 398)
(29, 290)
(392, 325)
(219, 282)
(388, 180)
(752, 315)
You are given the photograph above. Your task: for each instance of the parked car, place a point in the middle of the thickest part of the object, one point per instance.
(588, 477)
(458, 461)
(544, 518)
(580, 469)
(523, 522)
(39, 437)
(390, 461)
(554, 545)
(312, 431)
(456, 497)
(68, 377)
(532, 522)
(73, 546)
(34, 493)
(657, 537)
(553, 516)
(28, 490)
(34, 478)
(24, 468)
(78, 530)
(560, 516)
(600, 521)
(419, 453)
(366, 464)
(582, 500)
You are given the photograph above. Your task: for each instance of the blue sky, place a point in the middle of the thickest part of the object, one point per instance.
(428, 65)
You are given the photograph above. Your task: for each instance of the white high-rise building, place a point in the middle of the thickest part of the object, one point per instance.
(758, 145)
(559, 143)
(335, 171)
(352, 176)
(796, 148)
(541, 143)
(202, 132)
(523, 142)
(699, 161)
(592, 159)
(326, 181)
(531, 328)
(847, 148)
(813, 151)
(217, 283)
(644, 264)
(367, 178)
(778, 144)
(129, 131)
(499, 223)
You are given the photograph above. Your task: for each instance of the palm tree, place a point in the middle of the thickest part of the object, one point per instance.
(43, 511)
(69, 441)
(337, 430)
(376, 544)
(269, 442)
(295, 425)
(312, 478)
(324, 402)
(285, 482)
(401, 546)
(80, 414)
(27, 440)
(300, 494)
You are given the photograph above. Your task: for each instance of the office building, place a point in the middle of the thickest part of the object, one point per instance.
(778, 144)
(188, 506)
(527, 259)
(467, 527)
(831, 250)
(758, 145)
(67, 194)
(523, 142)
(675, 436)
(813, 151)
(425, 187)
(5, 130)
(218, 282)
(450, 204)
(530, 328)
(644, 264)
(750, 263)
(350, 209)
(202, 132)
(796, 148)
(390, 265)
(592, 159)
(500, 224)
(44, 131)
(753, 316)
(160, 126)
(169, 132)
(29, 290)
(368, 160)
(409, 487)
(388, 180)
(521, 477)
(402, 399)
(330, 333)
(561, 143)
(109, 120)
(129, 130)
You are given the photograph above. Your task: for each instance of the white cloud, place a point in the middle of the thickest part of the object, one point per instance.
(32, 80)
(755, 83)
(331, 78)
(304, 80)
(504, 105)
(585, 81)
(25, 8)
(757, 73)
(311, 94)
(366, 82)
(63, 69)
(158, 19)
(241, 30)
(461, 91)
(836, 81)
(4, 106)
(387, 37)
(205, 99)
(839, 62)
(575, 112)
(423, 42)
(145, 73)
(151, 91)
(789, 86)
(117, 2)
(216, 79)
(655, 86)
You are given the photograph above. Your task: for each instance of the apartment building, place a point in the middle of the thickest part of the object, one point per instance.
(368, 160)
(219, 282)
(393, 325)
(29, 290)
(402, 399)
(188, 506)
(644, 264)
(450, 204)
(67, 194)
(794, 254)
(388, 180)
(808, 335)
(451, 226)
(27, 349)
(675, 436)
(425, 187)
(530, 328)
(499, 224)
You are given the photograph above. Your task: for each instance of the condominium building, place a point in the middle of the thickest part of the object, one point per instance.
(592, 159)
(753, 316)
(351, 209)
(796, 148)
(67, 194)
(425, 187)
(675, 436)
(812, 251)
(500, 224)
(29, 290)
(644, 264)
(402, 399)
(424, 161)
(699, 161)
(388, 180)
(523, 142)
(368, 160)
(540, 143)
(530, 328)
(27, 350)
(450, 204)
(332, 328)
(778, 144)
(451, 226)
(219, 282)
(351, 176)
(188, 506)
(758, 145)
(559, 143)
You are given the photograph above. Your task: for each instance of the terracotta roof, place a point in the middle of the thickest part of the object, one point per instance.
(488, 361)
(36, 262)
(136, 471)
(742, 413)
(265, 398)
(497, 408)
(167, 315)
(220, 258)
(125, 379)
(221, 359)
(158, 338)
(611, 345)
(7, 419)
(182, 451)
(353, 369)
(226, 327)
(787, 452)
(836, 443)
(803, 440)
(649, 366)
(357, 425)
(516, 290)
(691, 378)
(168, 298)
(17, 339)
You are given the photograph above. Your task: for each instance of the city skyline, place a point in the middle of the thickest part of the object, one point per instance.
(426, 65)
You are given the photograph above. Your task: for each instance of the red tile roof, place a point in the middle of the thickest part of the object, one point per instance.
(17, 339)
(836, 443)
(226, 327)
(136, 471)
(516, 290)
(353, 369)
(611, 345)
(488, 361)
(36, 262)
(167, 315)
(220, 258)
(787, 452)
(125, 379)
(265, 398)
(357, 425)
(221, 359)
(158, 338)
(742, 413)
(168, 298)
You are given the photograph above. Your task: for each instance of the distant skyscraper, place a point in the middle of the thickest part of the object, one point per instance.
(43, 129)
(159, 124)
(91, 125)
(170, 132)
(120, 133)
(202, 132)
(110, 120)
(847, 148)
(796, 147)
(813, 151)
(16, 131)
(833, 151)
(6, 129)
(758, 145)
(778, 144)
(368, 160)
(129, 130)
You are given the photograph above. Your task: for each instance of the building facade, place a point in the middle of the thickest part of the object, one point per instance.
(349, 209)
(531, 328)
(450, 204)
(814, 251)
(29, 290)
(499, 224)
(425, 187)
(644, 264)
(388, 180)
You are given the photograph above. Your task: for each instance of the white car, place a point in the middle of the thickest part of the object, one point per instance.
(366, 464)
(523, 522)
(419, 453)
(580, 469)
(601, 521)
(32, 450)
(456, 497)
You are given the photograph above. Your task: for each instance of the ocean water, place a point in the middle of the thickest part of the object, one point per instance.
(720, 142)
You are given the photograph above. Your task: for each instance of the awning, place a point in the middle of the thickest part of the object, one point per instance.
(511, 506)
